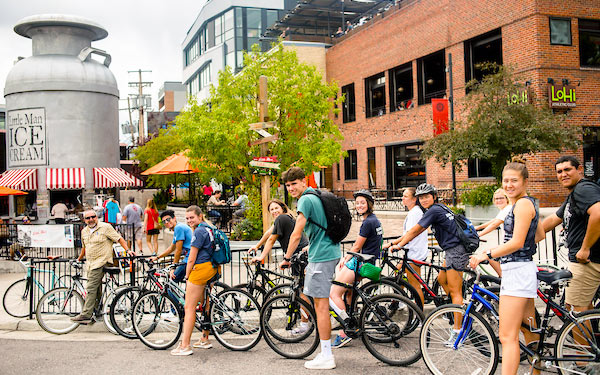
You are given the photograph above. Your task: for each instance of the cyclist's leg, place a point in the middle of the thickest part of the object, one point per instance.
(512, 311)
(443, 279)
(415, 283)
(94, 292)
(193, 294)
(336, 296)
(455, 280)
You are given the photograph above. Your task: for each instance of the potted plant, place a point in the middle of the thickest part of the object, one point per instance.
(478, 202)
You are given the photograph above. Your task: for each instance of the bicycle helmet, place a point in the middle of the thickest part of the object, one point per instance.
(425, 189)
(364, 193)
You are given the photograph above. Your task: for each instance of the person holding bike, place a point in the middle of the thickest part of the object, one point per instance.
(519, 272)
(323, 257)
(369, 241)
(199, 270)
(281, 230)
(441, 219)
(97, 247)
(182, 240)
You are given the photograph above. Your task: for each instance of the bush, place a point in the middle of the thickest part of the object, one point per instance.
(246, 230)
(481, 195)
(457, 210)
(161, 198)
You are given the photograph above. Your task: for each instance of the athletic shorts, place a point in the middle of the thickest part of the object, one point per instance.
(153, 231)
(201, 273)
(584, 284)
(457, 258)
(519, 279)
(137, 232)
(317, 281)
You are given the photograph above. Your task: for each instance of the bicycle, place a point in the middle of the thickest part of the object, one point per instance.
(122, 304)
(475, 349)
(261, 280)
(384, 323)
(232, 316)
(56, 307)
(16, 299)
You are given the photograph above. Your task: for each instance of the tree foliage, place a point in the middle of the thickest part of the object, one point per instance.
(299, 102)
(167, 142)
(495, 130)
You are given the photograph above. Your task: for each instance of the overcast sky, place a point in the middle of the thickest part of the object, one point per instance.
(141, 34)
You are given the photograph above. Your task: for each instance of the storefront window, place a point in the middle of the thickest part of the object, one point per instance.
(591, 153)
(348, 106)
(350, 166)
(401, 87)
(589, 43)
(375, 95)
(404, 166)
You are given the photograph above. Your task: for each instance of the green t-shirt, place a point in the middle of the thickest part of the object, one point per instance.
(321, 248)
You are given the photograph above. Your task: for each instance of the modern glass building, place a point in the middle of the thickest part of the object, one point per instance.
(220, 34)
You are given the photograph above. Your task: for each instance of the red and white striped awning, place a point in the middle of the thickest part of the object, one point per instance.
(65, 178)
(114, 177)
(20, 179)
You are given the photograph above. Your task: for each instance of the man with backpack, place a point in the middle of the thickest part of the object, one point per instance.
(323, 257)
(580, 217)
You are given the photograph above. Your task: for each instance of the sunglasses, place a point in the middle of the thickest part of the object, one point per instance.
(90, 217)
(166, 219)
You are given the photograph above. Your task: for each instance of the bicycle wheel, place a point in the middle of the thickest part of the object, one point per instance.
(121, 309)
(278, 290)
(16, 299)
(235, 319)
(157, 320)
(577, 341)
(218, 287)
(107, 301)
(388, 331)
(477, 353)
(56, 308)
(280, 321)
(256, 291)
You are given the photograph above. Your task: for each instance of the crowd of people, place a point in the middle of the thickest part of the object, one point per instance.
(304, 230)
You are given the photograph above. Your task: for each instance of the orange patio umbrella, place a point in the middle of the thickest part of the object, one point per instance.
(6, 191)
(174, 164)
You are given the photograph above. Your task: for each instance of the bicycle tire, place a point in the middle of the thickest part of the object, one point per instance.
(279, 316)
(16, 299)
(398, 286)
(388, 332)
(157, 320)
(107, 301)
(566, 344)
(256, 291)
(477, 354)
(121, 309)
(55, 308)
(235, 319)
(279, 290)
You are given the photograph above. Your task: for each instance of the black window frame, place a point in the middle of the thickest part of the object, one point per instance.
(370, 85)
(489, 37)
(479, 168)
(372, 166)
(349, 104)
(550, 19)
(408, 94)
(423, 96)
(351, 165)
(581, 39)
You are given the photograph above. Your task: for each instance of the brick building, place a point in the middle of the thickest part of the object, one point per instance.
(393, 65)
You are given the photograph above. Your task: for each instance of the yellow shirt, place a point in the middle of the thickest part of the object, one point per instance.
(98, 242)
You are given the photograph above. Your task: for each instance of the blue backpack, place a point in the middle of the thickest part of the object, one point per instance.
(221, 249)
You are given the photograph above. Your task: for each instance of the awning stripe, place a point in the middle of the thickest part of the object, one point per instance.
(114, 177)
(65, 178)
(20, 179)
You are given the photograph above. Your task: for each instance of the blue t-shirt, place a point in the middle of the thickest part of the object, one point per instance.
(444, 227)
(203, 240)
(321, 248)
(113, 209)
(183, 233)
(371, 230)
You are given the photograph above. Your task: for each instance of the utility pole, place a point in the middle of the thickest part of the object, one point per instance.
(265, 182)
(142, 100)
(451, 108)
(130, 122)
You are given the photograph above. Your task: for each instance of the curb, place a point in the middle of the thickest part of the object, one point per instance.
(31, 325)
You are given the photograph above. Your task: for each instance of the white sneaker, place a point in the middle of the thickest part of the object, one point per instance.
(452, 339)
(321, 363)
(168, 316)
(301, 329)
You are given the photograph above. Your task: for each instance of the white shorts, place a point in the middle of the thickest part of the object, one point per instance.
(519, 279)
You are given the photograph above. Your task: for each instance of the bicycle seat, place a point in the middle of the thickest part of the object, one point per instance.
(553, 278)
(112, 270)
(361, 256)
(436, 249)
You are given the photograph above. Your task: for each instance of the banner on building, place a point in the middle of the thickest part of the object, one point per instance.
(440, 116)
(46, 235)
(26, 137)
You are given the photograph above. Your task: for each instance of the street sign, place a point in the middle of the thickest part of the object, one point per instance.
(262, 125)
(264, 164)
(272, 138)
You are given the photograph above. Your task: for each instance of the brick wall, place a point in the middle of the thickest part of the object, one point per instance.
(408, 33)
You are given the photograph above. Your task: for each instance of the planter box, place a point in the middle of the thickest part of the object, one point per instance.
(480, 214)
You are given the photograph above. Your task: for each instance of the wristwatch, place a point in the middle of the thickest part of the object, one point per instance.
(286, 259)
(489, 255)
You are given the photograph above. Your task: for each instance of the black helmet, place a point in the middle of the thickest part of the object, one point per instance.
(364, 193)
(425, 189)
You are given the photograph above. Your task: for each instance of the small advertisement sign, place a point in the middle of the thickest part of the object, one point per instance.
(46, 235)
(560, 96)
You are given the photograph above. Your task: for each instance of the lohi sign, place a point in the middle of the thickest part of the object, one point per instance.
(560, 96)
(26, 137)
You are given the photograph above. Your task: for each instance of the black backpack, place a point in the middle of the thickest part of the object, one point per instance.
(337, 213)
(465, 231)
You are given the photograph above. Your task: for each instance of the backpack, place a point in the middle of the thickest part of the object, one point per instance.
(465, 231)
(337, 214)
(221, 249)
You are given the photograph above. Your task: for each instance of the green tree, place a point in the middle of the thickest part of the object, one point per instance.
(497, 130)
(156, 150)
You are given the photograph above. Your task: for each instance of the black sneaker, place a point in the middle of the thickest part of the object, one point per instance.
(81, 319)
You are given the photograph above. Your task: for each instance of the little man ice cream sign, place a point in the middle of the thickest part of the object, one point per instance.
(26, 138)
(561, 96)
